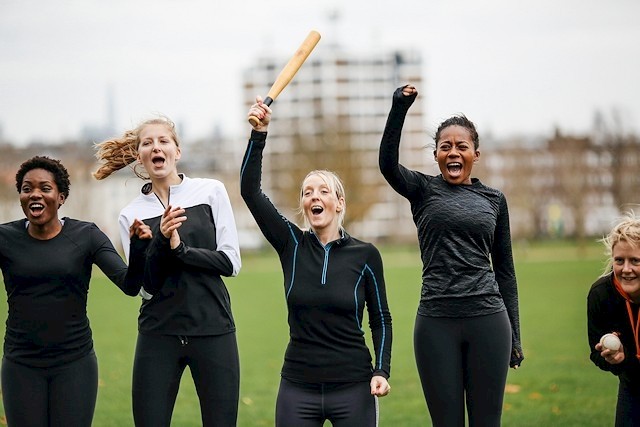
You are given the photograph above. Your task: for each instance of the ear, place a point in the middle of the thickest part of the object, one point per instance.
(178, 153)
(340, 206)
(435, 157)
(61, 200)
(476, 157)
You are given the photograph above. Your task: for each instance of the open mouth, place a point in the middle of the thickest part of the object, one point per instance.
(158, 161)
(454, 168)
(36, 208)
(317, 210)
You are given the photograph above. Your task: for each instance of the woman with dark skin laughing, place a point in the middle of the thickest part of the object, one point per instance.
(467, 329)
(49, 367)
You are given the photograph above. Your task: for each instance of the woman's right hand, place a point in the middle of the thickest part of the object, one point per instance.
(140, 230)
(613, 357)
(262, 112)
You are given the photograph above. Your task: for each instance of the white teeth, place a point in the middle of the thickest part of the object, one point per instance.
(36, 206)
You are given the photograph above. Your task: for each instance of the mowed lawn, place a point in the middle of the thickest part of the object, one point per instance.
(557, 384)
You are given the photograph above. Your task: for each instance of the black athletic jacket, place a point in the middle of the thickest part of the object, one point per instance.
(607, 312)
(326, 289)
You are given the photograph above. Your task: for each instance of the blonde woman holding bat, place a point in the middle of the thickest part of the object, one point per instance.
(185, 318)
(329, 279)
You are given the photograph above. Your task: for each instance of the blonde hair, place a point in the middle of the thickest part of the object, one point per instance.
(115, 154)
(626, 230)
(335, 185)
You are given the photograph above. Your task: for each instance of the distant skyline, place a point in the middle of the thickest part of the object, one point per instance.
(512, 67)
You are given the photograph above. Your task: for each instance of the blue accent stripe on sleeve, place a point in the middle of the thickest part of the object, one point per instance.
(293, 261)
(382, 320)
(355, 299)
(244, 165)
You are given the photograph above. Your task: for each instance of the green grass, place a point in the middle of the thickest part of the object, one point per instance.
(557, 385)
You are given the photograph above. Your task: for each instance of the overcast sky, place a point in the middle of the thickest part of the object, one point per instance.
(512, 66)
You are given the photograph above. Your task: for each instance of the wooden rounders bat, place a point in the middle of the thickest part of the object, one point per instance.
(289, 70)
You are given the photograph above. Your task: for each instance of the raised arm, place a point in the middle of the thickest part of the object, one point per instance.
(275, 227)
(400, 178)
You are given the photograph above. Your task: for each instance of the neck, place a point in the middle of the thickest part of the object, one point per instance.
(161, 186)
(45, 231)
(325, 236)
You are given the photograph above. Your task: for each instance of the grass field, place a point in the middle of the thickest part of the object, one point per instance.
(557, 384)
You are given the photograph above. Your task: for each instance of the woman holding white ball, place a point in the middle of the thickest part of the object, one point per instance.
(613, 315)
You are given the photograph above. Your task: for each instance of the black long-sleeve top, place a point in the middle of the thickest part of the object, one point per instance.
(47, 283)
(326, 289)
(464, 237)
(607, 313)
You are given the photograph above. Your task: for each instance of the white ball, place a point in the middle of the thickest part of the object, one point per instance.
(611, 342)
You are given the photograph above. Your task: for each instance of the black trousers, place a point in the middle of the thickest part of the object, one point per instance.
(628, 406)
(49, 397)
(159, 363)
(309, 405)
(463, 360)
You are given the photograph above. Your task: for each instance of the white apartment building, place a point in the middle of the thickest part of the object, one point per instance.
(331, 116)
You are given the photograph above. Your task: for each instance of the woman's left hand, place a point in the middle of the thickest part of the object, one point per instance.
(171, 220)
(380, 386)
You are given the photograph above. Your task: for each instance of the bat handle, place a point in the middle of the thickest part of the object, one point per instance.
(253, 119)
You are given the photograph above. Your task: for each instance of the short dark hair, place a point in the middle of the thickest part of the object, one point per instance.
(59, 172)
(462, 121)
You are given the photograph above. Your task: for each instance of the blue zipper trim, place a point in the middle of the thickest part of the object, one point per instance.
(326, 262)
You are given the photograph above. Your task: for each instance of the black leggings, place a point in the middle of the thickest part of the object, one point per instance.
(460, 358)
(159, 363)
(628, 406)
(309, 405)
(60, 396)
